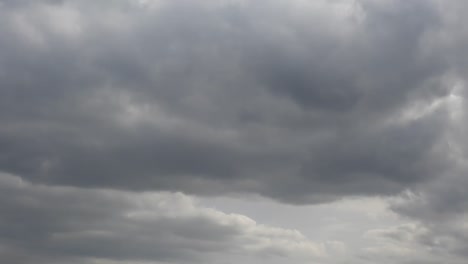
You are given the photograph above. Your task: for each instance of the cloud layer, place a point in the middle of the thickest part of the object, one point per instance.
(110, 111)
(325, 100)
(42, 224)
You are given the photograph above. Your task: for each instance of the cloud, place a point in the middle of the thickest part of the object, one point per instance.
(440, 209)
(109, 109)
(302, 102)
(43, 224)
(400, 244)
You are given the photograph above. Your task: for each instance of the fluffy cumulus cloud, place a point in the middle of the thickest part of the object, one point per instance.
(115, 114)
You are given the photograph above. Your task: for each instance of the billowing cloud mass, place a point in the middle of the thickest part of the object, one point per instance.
(293, 100)
(116, 115)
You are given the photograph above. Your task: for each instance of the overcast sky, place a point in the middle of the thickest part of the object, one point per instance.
(233, 131)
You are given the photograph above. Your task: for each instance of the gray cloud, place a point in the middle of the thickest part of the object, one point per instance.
(406, 243)
(299, 101)
(440, 206)
(43, 224)
(302, 102)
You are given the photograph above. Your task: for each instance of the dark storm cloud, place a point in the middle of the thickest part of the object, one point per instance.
(440, 206)
(304, 102)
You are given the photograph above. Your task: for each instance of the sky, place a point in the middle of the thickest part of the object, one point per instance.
(233, 131)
